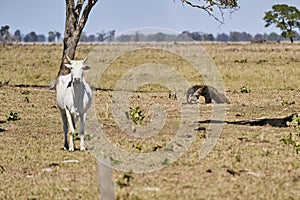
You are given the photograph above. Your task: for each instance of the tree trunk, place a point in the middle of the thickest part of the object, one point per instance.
(75, 22)
(292, 39)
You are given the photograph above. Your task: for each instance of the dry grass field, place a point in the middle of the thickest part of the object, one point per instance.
(249, 161)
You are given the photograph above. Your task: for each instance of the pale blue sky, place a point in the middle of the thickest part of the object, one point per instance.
(42, 16)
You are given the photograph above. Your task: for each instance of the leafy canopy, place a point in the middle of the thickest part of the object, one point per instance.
(284, 17)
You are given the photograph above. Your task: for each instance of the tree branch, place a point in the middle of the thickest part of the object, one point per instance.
(211, 4)
(78, 7)
(86, 13)
(207, 9)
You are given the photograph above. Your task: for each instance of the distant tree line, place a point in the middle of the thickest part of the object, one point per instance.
(7, 37)
(236, 36)
(54, 36)
(233, 36)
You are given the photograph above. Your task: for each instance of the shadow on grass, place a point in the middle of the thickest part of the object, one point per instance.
(1, 129)
(275, 122)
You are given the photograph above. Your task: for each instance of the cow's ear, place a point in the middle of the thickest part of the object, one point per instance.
(68, 66)
(86, 68)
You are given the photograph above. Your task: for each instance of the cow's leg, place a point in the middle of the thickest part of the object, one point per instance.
(71, 129)
(81, 131)
(65, 124)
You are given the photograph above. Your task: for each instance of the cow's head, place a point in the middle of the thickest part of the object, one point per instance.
(77, 67)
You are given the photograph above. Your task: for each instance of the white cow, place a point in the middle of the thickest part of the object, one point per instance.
(74, 97)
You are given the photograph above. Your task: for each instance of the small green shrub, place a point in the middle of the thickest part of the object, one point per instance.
(138, 146)
(245, 89)
(124, 181)
(291, 140)
(201, 135)
(238, 158)
(288, 139)
(296, 118)
(287, 103)
(12, 116)
(136, 115)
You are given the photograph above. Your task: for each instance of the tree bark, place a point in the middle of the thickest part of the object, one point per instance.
(75, 22)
